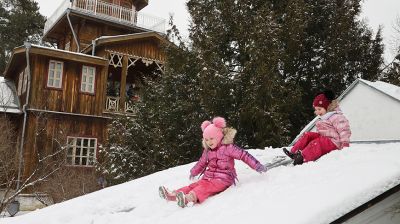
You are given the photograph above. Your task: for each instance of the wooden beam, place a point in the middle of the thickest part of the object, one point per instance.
(124, 74)
(68, 56)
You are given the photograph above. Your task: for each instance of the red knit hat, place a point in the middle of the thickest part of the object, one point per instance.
(321, 101)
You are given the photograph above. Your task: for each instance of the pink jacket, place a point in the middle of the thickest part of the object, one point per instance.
(219, 163)
(335, 126)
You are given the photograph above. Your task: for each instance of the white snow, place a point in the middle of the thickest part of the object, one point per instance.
(316, 192)
(391, 90)
(8, 100)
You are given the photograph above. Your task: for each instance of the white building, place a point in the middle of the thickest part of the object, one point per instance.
(373, 110)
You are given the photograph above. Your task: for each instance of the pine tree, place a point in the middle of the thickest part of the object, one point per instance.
(328, 49)
(166, 129)
(20, 21)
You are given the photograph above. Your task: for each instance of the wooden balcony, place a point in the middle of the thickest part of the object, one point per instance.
(113, 106)
(107, 11)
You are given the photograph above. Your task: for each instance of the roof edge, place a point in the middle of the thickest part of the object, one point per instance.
(367, 205)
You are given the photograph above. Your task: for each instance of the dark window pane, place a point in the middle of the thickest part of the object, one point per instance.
(84, 160)
(77, 161)
(78, 151)
(85, 142)
(92, 141)
(78, 142)
(84, 151)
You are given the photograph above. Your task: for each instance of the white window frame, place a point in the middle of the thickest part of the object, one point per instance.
(52, 73)
(81, 151)
(88, 79)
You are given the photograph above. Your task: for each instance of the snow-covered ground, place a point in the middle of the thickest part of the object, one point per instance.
(316, 192)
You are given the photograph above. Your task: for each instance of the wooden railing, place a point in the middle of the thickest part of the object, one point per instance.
(112, 105)
(110, 12)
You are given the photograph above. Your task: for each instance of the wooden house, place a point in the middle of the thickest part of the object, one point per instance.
(105, 48)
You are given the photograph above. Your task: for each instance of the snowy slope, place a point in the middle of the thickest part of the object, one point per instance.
(317, 192)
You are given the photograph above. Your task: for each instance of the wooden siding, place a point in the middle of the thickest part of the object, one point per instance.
(46, 129)
(69, 98)
(147, 48)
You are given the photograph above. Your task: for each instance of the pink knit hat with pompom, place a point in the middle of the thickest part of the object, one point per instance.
(214, 129)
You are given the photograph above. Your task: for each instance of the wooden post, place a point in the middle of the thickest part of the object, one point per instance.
(124, 74)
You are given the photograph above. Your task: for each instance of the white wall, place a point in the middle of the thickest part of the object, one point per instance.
(372, 114)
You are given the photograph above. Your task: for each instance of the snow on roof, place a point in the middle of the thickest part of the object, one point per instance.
(387, 88)
(8, 98)
(316, 192)
(64, 51)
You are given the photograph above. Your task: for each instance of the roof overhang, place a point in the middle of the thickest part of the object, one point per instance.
(128, 37)
(18, 57)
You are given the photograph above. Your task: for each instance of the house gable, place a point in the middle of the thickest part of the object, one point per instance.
(372, 109)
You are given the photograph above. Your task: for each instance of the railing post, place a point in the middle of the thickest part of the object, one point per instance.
(95, 7)
(120, 13)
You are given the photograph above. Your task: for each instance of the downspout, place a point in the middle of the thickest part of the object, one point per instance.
(24, 107)
(94, 46)
(73, 31)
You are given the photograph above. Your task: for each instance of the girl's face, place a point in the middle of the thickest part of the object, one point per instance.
(211, 142)
(319, 111)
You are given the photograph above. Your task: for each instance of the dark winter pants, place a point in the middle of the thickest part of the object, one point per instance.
(312, 146)
(204, 188)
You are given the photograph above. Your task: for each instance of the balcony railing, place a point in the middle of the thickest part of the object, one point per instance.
(108, 11)
(112, 105)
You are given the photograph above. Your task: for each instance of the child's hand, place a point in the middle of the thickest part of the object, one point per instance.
(261, 169)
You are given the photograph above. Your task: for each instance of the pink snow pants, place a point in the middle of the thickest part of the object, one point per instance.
(312, 146)
(204, 188)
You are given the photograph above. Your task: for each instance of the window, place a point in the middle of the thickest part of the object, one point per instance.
(54, 78)
(81, 151)
(88, 75)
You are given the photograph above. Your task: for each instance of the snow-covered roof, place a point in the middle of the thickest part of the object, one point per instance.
(67, 52)
(9, 102)
(387, 88)
(315, 192)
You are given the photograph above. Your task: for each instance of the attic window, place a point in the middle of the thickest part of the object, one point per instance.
(88, 79)
(81, 151)
(54, 76)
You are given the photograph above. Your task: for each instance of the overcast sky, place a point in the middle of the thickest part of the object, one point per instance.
(375, 12)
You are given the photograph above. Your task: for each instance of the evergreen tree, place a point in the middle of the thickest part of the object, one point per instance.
(166, 129)
(257, 63)
(324, 46)
(20, 21)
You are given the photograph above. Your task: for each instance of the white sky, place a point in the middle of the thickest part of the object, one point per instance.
(376, 12)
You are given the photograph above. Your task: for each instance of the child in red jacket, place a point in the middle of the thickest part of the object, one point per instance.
(333, 131)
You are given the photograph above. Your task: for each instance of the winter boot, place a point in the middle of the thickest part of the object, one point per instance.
(164, 193)
(298, 158)
(186, 199)
(288, 153)
(181, 199)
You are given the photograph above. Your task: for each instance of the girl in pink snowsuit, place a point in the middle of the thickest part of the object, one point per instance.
(333, 131)
(216, 164)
